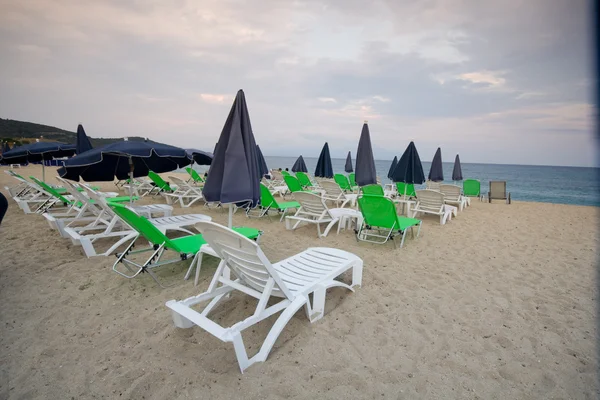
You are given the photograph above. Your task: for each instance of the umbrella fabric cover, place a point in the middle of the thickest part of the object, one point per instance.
(262, 164)
(324, 168)
(233, 176)
(436, 172)
(392, 167)
(366, 174)
(199, 157)
(409, 168)
(39, 151)
(457, 170)
(83, 142)
(348, 166)
(299, 165)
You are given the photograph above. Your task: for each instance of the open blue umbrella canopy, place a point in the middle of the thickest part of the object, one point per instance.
(115, 160)
(233, 176)
(457, 170)
(392, 167)
(299, 165)
(262, 164)
(409, 168)
(38, 151)
(324, 168)
(366, 174)
(436, 172)
(348, 166)
(5, 148)
(83, 142)
(199, 157)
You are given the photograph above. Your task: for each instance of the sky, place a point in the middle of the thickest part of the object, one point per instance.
(494, 81)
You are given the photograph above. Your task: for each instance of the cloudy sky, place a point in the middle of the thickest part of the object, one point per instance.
(496, 81)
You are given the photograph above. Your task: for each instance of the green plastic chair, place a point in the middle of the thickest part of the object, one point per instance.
(352, 178)
(285, 173)
(472, 188)
(293, 184)
(186, 246)
(343, 181)
(194, 175)
(381, 222)
(268, 202)
(159, 183)
(406, 189)
(304, 179)
(372, 190)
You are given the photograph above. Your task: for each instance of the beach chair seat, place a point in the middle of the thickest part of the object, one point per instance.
(381, 222)
(289, 285)
(453, 196)
(498, 192)
(268, 203)
(372, 190)
(432, 202)
(152, 230)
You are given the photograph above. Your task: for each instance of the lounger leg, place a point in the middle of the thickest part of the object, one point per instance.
(357, 270)
(318, 306)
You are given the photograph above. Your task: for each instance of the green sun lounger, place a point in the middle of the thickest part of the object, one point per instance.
(344, 183)
(293, 184)
(186, 246)
(194, 175)
(304, 180)
(159, 183)
(381, 222)
(268, 202)
(472, 188)
(372, 190)
(352, 179)
(406, 189)
(285, 173)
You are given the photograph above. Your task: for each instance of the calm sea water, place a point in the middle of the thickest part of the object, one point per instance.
(564, 185)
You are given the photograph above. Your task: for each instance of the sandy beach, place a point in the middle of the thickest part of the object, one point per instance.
(500, 303)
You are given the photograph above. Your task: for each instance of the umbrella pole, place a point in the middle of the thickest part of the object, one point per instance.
(230, 218)
(43, 171)
(130, 181)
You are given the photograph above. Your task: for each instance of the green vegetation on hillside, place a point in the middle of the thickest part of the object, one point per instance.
(21, 132)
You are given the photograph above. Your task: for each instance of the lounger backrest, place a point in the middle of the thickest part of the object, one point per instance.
(277, 175)
(158, 181)
(49, 189)
(430, 200)
(143, 226)
(331, 188)
(342, 181)
(450, 192)
(431, 185)
(406, 189)
(372, 190)
(378, 211)
(352, 179)
(472, 187)
(311, 204)
(498, 189)
(285, 173)
(244, 258)
(303, 179)
(266, 198)
(292, 183)
(194, 174)
(72, 189)
(183, 186)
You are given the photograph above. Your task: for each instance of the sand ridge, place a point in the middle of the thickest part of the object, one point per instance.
(499, 303)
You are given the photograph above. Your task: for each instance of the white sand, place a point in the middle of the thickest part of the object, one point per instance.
(498, 304)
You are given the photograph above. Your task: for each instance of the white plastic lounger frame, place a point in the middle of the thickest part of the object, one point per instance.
(431, 202)
(313, 210)
(453, 195)
(185, 193)
(292, 280)
(334, 192)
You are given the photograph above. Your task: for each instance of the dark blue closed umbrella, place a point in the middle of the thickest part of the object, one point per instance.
(436, 172)
(457, 170)
(83, 142)
(38, 151)
(5, 148)
(233, 176)
(409, 168)
(199, 157)
(324, 168)
(262, 164)
(348, 166)
(366, 174)
(116, 159)
(392, 167)
(299, 165)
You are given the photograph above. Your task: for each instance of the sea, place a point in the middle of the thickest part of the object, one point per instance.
(547, 184)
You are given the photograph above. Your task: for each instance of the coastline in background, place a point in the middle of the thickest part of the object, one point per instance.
(547, 184)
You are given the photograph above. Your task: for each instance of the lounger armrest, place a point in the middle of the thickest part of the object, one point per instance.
(185, 317)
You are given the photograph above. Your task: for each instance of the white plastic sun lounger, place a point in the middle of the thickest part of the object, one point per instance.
(313, 210)
(432, 202)
(292, 280)
(334, 192)
(185, 193)
(453, 195)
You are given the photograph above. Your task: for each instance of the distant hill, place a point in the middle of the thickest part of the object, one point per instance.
(22, 132)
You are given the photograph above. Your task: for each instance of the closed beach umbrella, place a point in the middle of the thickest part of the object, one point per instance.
(83, 142)
(366, 174)
(457, 170)
(324, 168)
(348, 166)
(38, 151)
(392, 167)
(299, 165)
(262, 164)
(409, 168)
(233, 176)
(436, 172)
(5, 148)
